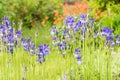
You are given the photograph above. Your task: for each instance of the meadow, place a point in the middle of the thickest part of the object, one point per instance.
(78, 46)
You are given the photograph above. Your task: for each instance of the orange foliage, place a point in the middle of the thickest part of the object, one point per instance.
(76, 8)
(56, 12)
(43, 22)
(46, 18)
(99, 13)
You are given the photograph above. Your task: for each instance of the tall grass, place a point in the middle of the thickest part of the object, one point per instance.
(97, 61)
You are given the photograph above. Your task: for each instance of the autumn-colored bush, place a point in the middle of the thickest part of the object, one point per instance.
(75, 8)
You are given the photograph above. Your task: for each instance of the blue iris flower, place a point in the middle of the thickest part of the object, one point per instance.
(69, 20)
(23, 39)
(45, 46)
(83, 16)
(117, 39)
(54, 38)
(92, 20)
(64, 42)
(3, 30)
(76, 28)
(25, 45)
(19, 32)
(106, 31)
(11, 30)
(40, 55)
(62, 47)
(10, 37)
(77, 50)
(40, 48)
(7, 23)
(23, 78)
(46, 51)
(4, 18)
(109, 38)
(32, 46)
(79, 58)
(11, 50)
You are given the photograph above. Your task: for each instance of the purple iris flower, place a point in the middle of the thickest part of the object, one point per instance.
(23, 39)
(64, 32)
(62, 47)
(3, 30)
(77, 50)
(11, 30)
(46, 51)
(83, 16)
(83, 30)
(32, 46)
(64, 42)
(117, 39)
(109, 38)
(40, 48)
(79, 59)
(23, 78)
(79, 23)
(4, 18)
(10, 37)
(11, 50)
(54, 38)
(25, 45)
(69, 21)
(7, 23)
(19, 32)
(106, 31)
(57, 32)
(112, 43)
(92, 20)
(40, 55)
(45, 46)
(76, 28)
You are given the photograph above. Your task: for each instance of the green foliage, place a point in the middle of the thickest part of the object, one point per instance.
(103, 4)
(111, 10)
(31, 12)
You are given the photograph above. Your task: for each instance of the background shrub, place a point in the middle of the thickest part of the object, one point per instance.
(29, 11)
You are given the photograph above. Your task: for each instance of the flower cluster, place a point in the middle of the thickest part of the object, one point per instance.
(77, 55)
(28, 45)
(75, 30)
(108, 33)
(43, 50)
(8, 36)
(117, 39)
(10, 39)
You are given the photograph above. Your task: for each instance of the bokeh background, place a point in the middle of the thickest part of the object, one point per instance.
(45, 13)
